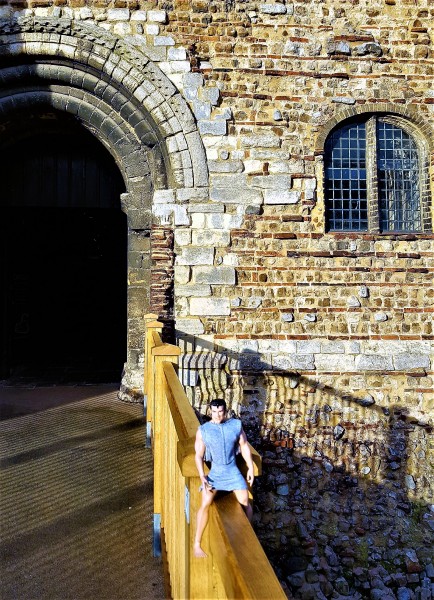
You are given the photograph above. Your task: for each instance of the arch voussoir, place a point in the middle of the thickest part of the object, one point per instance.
(129, 69)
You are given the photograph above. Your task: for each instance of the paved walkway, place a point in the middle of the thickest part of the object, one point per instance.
(75, 496)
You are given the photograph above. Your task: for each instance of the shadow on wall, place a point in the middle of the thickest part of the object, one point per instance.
(344, 504)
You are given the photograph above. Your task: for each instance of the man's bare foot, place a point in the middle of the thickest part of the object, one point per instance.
(198, 552)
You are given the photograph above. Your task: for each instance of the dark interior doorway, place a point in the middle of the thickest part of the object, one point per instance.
(63, 253)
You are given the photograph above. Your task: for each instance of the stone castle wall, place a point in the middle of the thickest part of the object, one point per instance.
(321, 342)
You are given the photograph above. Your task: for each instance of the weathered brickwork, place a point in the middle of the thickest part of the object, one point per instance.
(320, 341)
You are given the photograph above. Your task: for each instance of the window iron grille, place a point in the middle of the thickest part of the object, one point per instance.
(345, 178)
(398, 179)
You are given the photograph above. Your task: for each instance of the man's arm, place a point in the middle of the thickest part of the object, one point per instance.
(247, 455)
(199, 448)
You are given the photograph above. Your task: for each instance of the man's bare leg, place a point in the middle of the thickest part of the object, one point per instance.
(243, 498)
(201, 521)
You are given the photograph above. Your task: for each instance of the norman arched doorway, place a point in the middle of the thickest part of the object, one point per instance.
(63, 252)
(116, 93)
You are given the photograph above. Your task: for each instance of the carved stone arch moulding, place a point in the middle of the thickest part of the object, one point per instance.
(421, 128)
(134, 110)
(131, 86)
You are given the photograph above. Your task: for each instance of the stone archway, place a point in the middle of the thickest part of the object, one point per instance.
(131, 107)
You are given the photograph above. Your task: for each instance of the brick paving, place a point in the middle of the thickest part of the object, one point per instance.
(76, 496)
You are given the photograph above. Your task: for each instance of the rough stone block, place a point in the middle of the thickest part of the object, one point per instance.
(214, 275)
(212, 127)
(230, 195)
(264, 140)
(272, 9)
(225, 166)
(138, 15)
(157, 16)
(210, 307)
(202, 110)
(273, 183)
(335, 362)
(253, 166)
(193, 290)
(164, 196)
(281, 197)
(182, 275)
(210, 94)
(118, 14)
(176, 54)
(190, 326)
(192, 194)
(183, 237)
(152, 29)
(343, 100)
(216, 237)
(251, 361)
(374, 362)
(193, 80)
(308, 347)
(304, 362)
(406, 361)
(223, 221)
(332, 348)
(231, 259)
(180, 215)
(267, 346)
(196, 256)
(338, 48)
(369, 48)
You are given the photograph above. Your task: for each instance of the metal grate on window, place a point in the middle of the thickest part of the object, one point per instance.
(398, 179)
(345, 178)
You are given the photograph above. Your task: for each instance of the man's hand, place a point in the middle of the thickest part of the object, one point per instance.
(206, 484)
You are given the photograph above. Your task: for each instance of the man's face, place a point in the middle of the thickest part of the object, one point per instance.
(218, 414)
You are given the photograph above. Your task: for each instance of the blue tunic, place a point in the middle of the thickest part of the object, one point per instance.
(222, 443)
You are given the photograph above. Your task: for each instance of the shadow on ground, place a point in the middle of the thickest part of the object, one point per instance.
(76, 496)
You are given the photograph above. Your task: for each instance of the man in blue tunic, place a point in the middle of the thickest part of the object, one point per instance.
(219, 441)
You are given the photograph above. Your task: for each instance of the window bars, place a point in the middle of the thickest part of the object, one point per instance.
(384, 171)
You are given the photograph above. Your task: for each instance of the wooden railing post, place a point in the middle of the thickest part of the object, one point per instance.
(237, 566)
(152, 327)
(159, 354)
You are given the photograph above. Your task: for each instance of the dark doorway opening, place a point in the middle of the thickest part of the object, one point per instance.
(63, 253)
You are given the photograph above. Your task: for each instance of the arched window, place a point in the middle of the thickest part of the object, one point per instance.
(372, 177)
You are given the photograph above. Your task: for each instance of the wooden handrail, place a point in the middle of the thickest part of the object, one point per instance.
(236, 566)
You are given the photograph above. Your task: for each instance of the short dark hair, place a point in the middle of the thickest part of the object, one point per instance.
(219, 402)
